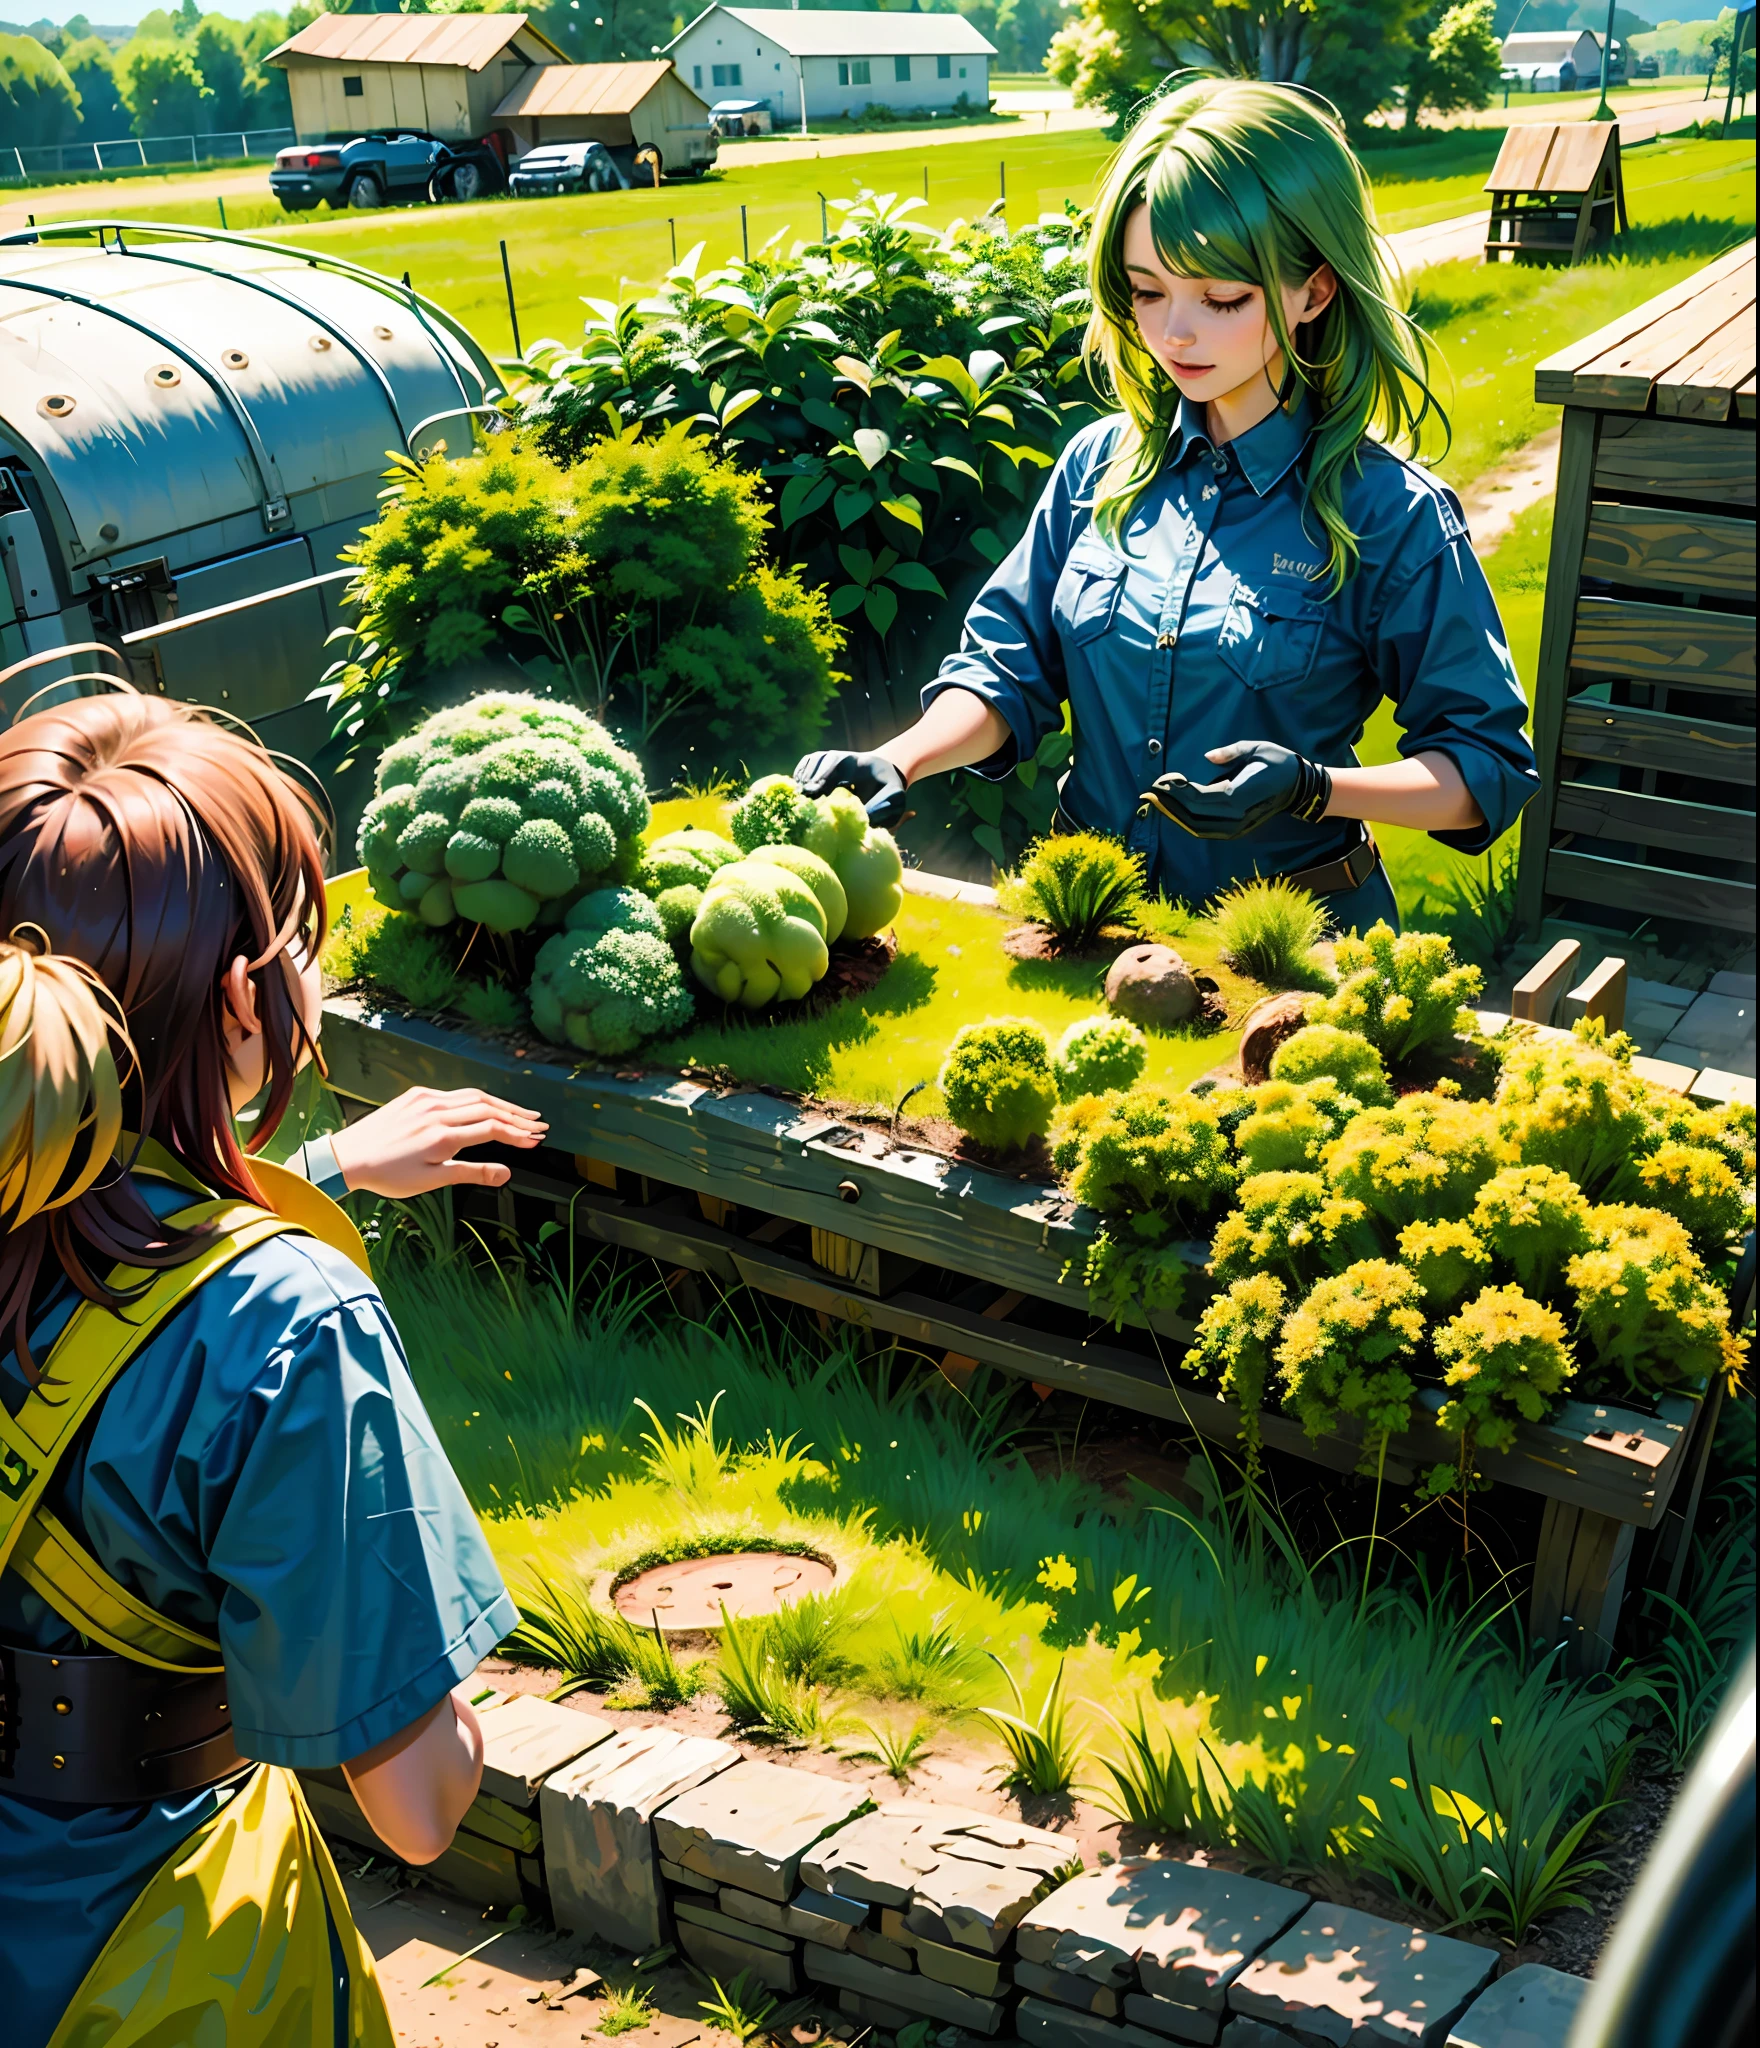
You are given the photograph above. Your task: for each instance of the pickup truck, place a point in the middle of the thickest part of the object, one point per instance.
(386, 167)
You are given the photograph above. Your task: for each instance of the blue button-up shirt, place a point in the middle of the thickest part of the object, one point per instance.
(1212, 624)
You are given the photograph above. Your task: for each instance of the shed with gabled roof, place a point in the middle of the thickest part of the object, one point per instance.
(642, 105)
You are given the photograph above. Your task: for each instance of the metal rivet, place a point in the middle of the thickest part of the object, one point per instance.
(164, 375)
(235, 359)
(64, 1706)
(60, 1762)
(1154, 746)
(847, 1191)
(382, 333)
(320, 342)
(109, 530)
(56, 406)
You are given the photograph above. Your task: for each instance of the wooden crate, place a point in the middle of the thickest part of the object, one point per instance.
(1557, 192)
(1644, 703)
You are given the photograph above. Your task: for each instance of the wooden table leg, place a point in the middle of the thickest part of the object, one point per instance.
(1579, 1581)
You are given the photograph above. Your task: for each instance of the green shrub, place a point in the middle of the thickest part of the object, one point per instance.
(1097, 1054)
(676, 868)
(1076, 885)
(1291, 1123)
(759, 935)
(1349, 1348)
(997, 1082)
(1403, 992)
(1128, 1280)
(1534, 1221)
(1269, 930)
(771, 812)
(1320, 1049)
(1698, 1187)
(1154, 1162)
(634, 583)
(406, 957)
(1445, 1259)
(1645, 1308)
(1235, 1335)
(1563, 1104)
(835, 829)
(608, 980)
(1292, 1224)
(492, 1006)
(1506, 1360)
(1069, 1131)
(1423, 1160)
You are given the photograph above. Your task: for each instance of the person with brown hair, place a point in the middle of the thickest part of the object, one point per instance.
(230, 1544)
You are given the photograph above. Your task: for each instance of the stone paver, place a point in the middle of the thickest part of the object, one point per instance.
(526, 1738)
(598, 1811)
(1352, 1979)
(1532, 2007)
(1185, 1932)
(1058, 2026)
(1741, 985)
(874, 1947)
(1715, 1031)
(1178, 2022)
(914, 1993)
(1249, 2033)
(811, 1916)
(1665, 1074)
(690, 1912)
(686, 1880)
(1064, 1989)
(1714, 1085)
(962, 1967)
(750, 1826)
(724, 1956)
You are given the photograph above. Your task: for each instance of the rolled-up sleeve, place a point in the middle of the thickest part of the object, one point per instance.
(1443, 659)
(1009, 653)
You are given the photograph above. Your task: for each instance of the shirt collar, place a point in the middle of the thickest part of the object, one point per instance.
(1266, 453)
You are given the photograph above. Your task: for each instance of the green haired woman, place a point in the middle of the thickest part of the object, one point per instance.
(1232, 571)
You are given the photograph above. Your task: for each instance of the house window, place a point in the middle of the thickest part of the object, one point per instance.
(901, 70)
(697, 76)
(724, 74)
(353, 89)
(854, 71)
(962, 71)
(944, 67)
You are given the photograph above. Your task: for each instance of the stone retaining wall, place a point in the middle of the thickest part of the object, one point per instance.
(912, 1911)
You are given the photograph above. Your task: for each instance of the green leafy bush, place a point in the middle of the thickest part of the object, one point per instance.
(819, 876)
(1234, 1340)
(634, 583)
(759, 936)
(406, 957)
(1069, 1131)
(1096, 1054)
(1505, 1360)
(771, 812)
(1290, 1224)
(1698, 1186)
(1349, 1348)
(1290, 1124)
(1155, 1162)
(1128, 1280)
(1076, 885)
(1402, 991)
(1645, 1306)
(835, 828)
(491, 1006)
(998, 1084)
(1563, 1104)
(675, 869)
(1420, 1161)
(500, 812)
(1269, 930)
(1321, 1049)
(1445, 1259)
(608, 980)
(1534, 1221)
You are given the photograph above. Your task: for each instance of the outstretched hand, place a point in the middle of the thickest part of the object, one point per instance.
(872, 777)
(411, 1145)
(1268, 780)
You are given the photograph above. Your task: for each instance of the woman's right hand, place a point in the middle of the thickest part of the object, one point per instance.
(872, 777)
(411, 1145)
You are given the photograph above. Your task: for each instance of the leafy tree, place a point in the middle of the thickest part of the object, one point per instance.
(102, 116)
(1020, 29)
(217, 47)
(161, 85)
(603, 31)
(39, 103)
(1458, 60)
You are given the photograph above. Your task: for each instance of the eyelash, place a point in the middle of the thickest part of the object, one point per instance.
(1142, 297)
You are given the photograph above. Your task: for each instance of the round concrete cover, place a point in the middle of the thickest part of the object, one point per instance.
(691, 1593)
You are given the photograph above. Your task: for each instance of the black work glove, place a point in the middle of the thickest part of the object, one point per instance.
(1268, 781)
(873, 778)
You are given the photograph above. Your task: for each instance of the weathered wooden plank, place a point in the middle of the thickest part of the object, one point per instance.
(1652, 458)
(1535, 997)
(1703, 385)
(1630, 815)
(1577, 156)
(1690, 551)
(1556, 380)
(1745, 398)
(1663, 740)
(1654, 892)
(1661, 643)
(1521, 158)
(1624, 379)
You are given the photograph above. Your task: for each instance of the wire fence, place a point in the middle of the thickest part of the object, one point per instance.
(140, 152)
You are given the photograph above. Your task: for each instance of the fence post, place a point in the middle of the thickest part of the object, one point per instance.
(1002, 174)
(824, 228)
(745, 247)
(142, 148)
(672, 226)
(512, 310)
(925, 184)
(220, 201)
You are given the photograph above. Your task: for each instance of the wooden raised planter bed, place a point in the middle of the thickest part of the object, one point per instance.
(965, 1264)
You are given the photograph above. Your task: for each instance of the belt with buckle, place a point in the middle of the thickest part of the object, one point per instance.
(1335, 877)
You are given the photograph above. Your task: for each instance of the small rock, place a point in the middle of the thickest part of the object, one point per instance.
(1152, 985)
(1267, 1025)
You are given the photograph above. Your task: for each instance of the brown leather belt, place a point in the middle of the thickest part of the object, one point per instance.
(98, 1730)
(1334, 877)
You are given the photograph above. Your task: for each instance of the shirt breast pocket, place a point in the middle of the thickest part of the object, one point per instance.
(1085, 601)
(1271, 632)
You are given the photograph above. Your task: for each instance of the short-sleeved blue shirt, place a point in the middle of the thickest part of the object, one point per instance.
(1210, 624)
(262, 1470)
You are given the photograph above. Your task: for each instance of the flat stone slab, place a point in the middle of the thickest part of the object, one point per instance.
(1064, 1989)
(1046, 2025)
(687, 1880)
(1182, 1931)
(961, 1967)
(1718, 1084)
(693, 1912)
(914, 1993)
(810, 1916)
(1178, 2022)
(526, 1738)
(876, 1948)
(724, 1957)
(1354, 1979)
(1728, 984)
(1242, 2032)
(1532, 2007)
(751, 1825)
(597, 1812)
(874, 2012)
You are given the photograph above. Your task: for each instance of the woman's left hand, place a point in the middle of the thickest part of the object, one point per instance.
(1268, 780)
(411, 1145)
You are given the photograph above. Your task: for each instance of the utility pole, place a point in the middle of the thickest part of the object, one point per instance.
(1604, 112)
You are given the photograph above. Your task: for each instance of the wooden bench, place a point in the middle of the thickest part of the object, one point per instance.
(1644, 702)
(1557, 192)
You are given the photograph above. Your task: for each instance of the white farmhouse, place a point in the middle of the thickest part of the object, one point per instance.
(1534, 56)
(840, 61)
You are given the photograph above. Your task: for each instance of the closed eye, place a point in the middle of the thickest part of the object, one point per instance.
(1227, 305)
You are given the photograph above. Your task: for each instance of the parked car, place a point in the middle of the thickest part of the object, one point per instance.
(734, 118)
(386, 167)
(1646, 67)
(555, 167)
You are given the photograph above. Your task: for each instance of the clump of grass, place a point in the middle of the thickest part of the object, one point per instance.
(1269, 930)
(625, 2011)
(1043, 1751)
(745, 2009)
(929, 1665)
(561, 1627)
(759, 1697)
(898, 1752)
(1076, 886)
(808, 1638)
(689, 1459)
(1152, 1788)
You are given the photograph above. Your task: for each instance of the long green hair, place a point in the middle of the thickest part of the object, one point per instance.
(1255, 183)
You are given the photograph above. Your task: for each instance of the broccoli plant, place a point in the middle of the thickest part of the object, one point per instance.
(759, 936)
(1291, 1123)
(500, 812)
(675, 870)
(997, 1082)
(1644, 1306)
(1445, 1259)
(819, 876)
(608, 980)
(1234, 1340)
(1534, 1221)
(1349, 1348)
(864, 858)
(1154, 1163)
(1097, 1054)
(1506, 1360)
(1401, 991)
(771, 812)
(1347, 1056)
(1422, 1160)
(1289, 1223)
